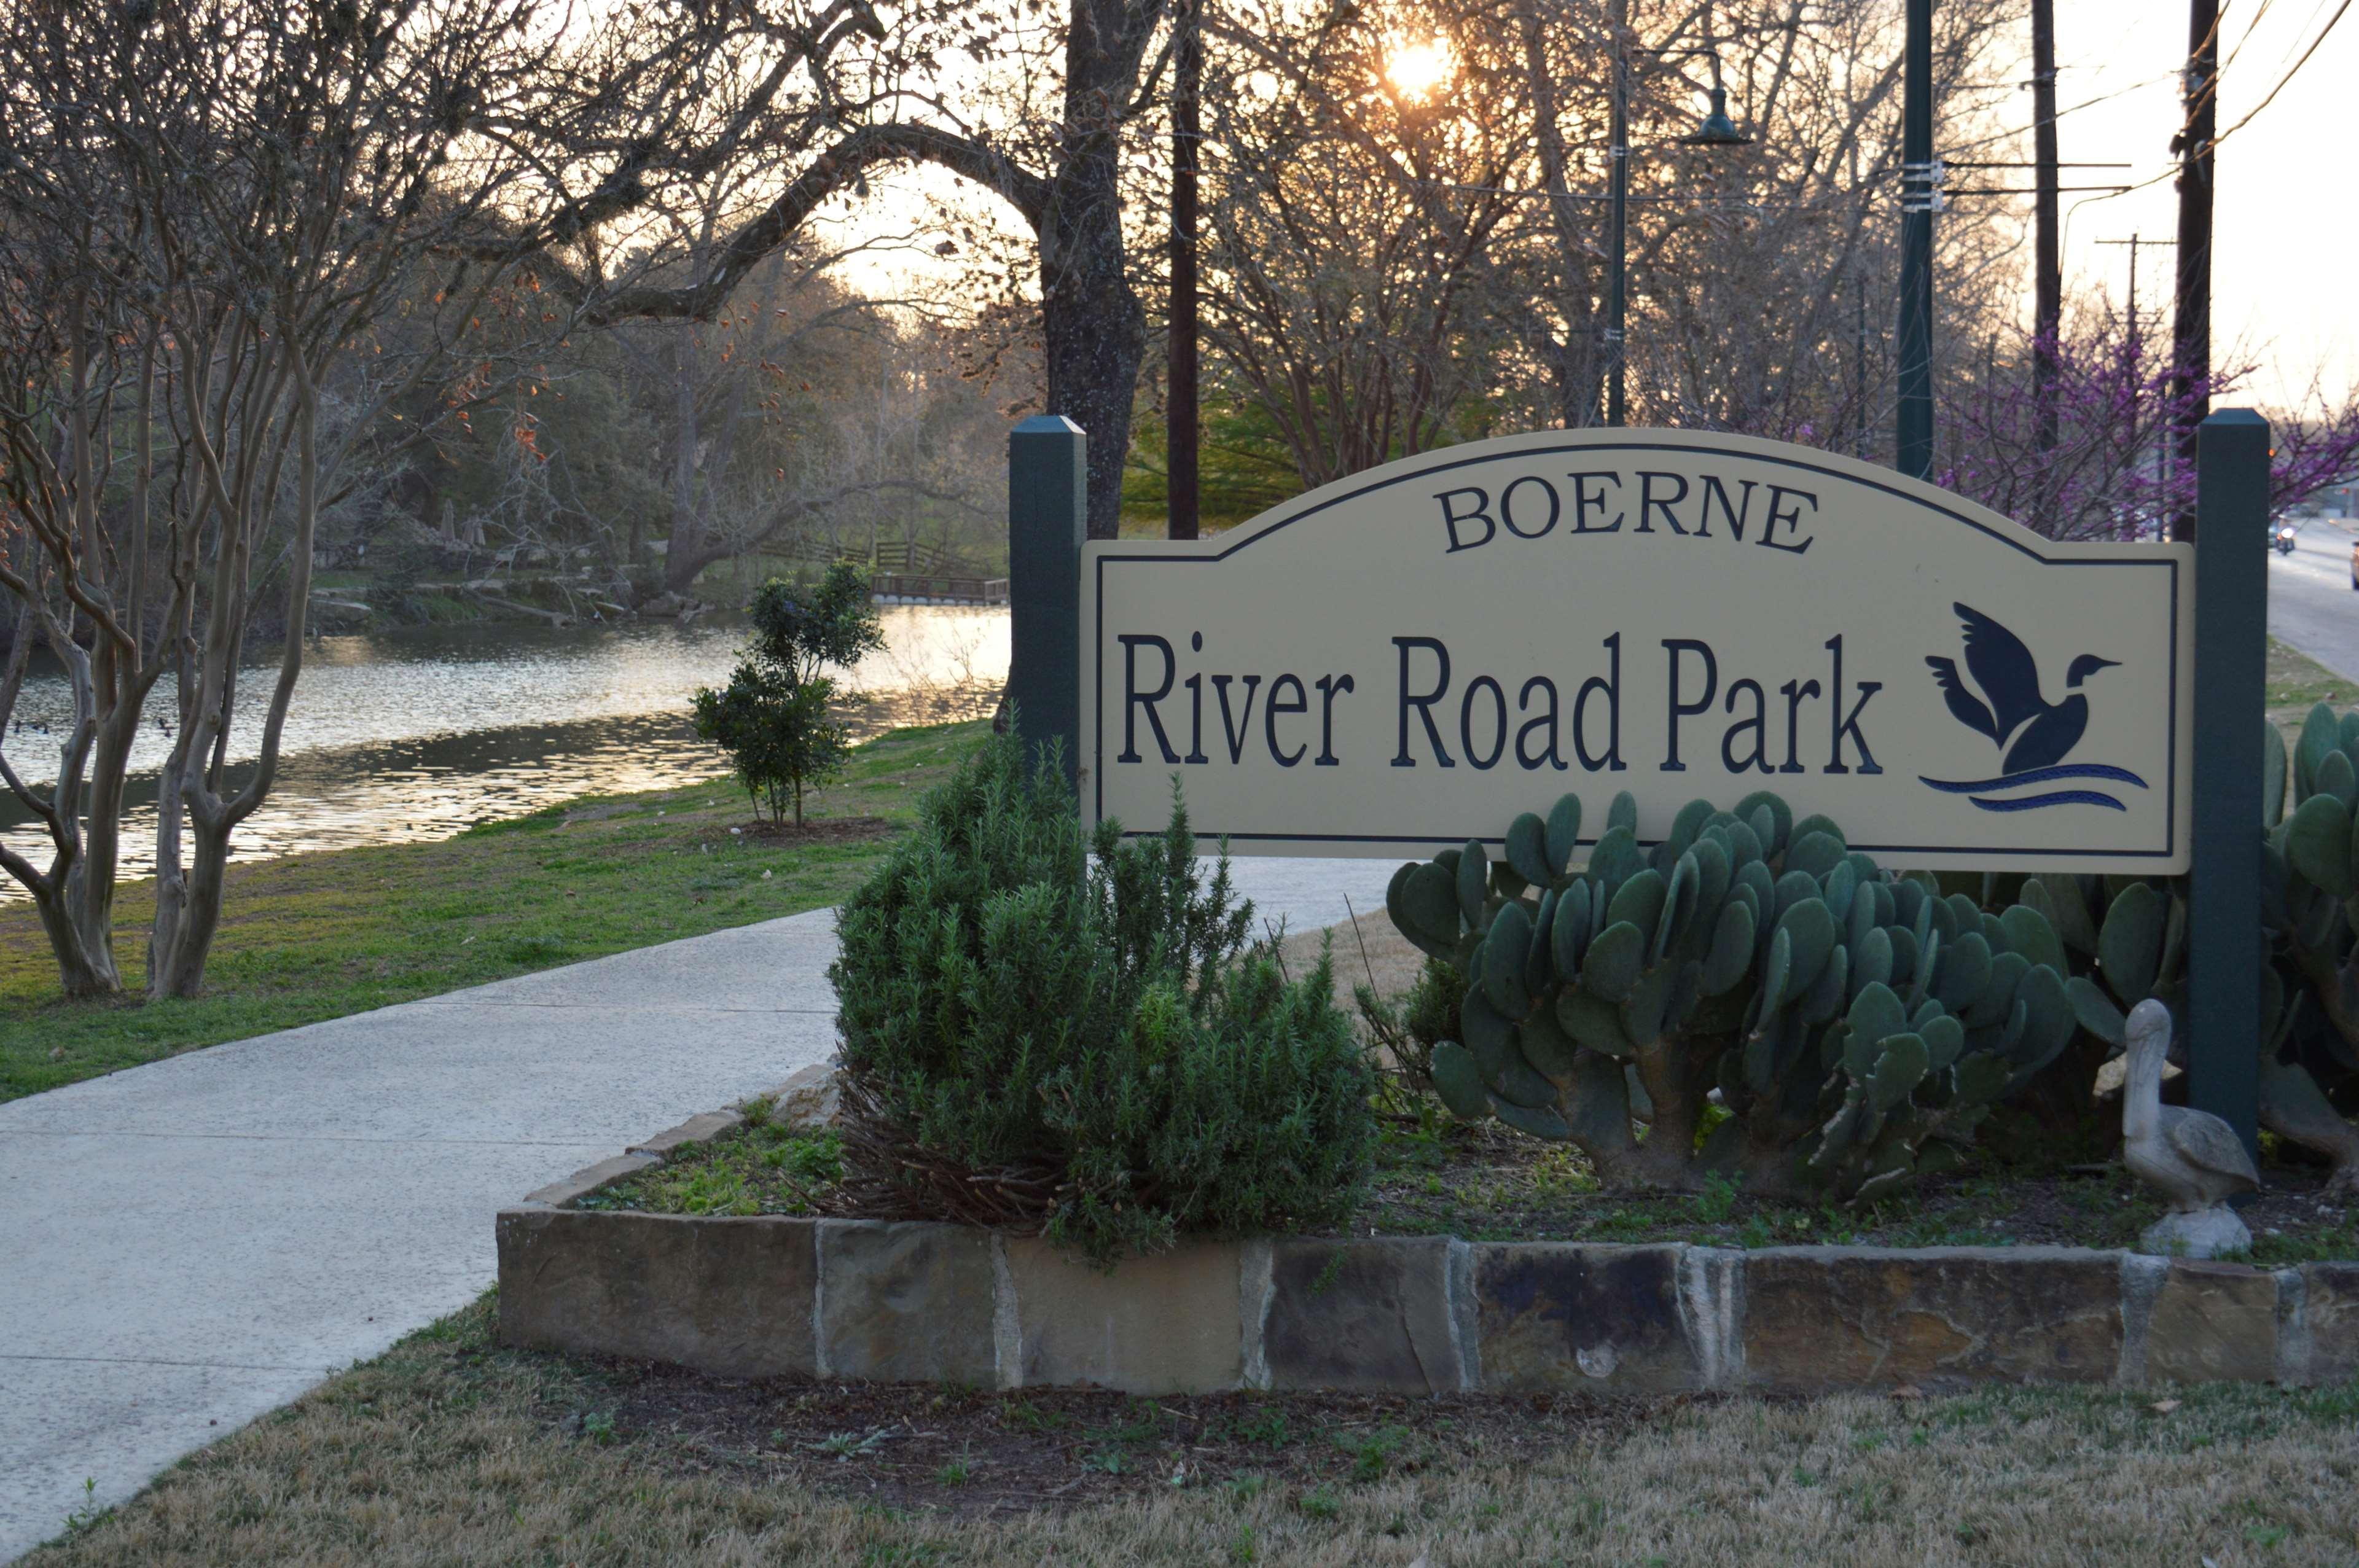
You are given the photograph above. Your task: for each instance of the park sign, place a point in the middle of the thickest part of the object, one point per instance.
(1407, 659)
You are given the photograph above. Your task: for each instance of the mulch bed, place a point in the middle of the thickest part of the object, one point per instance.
(1483, 1182)
(971, 1454)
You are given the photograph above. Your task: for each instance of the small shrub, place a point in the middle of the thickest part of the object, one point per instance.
(774, 717)
(1071, 1033)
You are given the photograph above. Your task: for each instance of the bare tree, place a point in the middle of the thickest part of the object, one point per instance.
(72, 364)
(1379, 253)
(1356, 220)
(241, 189)
(1036, 111)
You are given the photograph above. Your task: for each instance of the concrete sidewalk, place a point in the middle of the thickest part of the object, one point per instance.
(189, 1244)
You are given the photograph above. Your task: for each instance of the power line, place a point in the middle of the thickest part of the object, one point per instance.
(2087, 104)
(2265, 103)
(2287, 77)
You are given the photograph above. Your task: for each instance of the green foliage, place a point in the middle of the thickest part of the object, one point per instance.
(2309, 874)
(1081, 1022)
(1856, 1027)
(800, 627)
(2127, 939)
(774, 717)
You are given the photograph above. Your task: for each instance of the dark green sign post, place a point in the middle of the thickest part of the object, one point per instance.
(1048, 517)
(2225, 948)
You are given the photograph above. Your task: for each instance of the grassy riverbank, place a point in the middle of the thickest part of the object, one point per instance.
(448, 1449)
(316, 937)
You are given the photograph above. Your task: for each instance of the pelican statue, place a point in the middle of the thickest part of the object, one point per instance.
(2010, 701)
(2192, 1157)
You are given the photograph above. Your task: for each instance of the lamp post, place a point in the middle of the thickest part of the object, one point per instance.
(1716, 131)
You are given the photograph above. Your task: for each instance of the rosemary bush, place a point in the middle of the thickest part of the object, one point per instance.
(1075, 1034)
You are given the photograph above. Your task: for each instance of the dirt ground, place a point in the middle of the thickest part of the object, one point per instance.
(966, 1453)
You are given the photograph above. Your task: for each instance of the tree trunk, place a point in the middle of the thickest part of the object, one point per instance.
(682, 554)
(171, 879)
(1095, 326)
(89, 889)
(190, 943)
(84, 971)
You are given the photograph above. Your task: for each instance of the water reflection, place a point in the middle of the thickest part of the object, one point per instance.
(416, 734)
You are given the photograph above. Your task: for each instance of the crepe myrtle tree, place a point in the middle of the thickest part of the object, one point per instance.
(207, 210)
(775, 717)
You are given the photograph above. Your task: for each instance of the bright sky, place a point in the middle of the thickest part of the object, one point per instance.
(2285, 264)
(2285, 275)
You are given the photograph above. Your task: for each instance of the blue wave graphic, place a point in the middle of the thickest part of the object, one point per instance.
(2038, 776)
(2055, 797)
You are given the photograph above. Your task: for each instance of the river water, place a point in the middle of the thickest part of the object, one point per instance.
(420, 732)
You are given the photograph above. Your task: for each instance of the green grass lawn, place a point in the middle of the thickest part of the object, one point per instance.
(452, 1450)
(315, 936)
(2297, 681)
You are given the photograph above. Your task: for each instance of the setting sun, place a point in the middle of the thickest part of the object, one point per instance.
(1416, 69)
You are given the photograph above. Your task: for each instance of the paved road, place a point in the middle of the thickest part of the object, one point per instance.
(195, 1242)
(2311, 603)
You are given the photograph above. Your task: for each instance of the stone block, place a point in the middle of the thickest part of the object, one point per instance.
(906, 1302)
(1819, 1319)
(1567, 1316)
(808, 1100)
(1374, 1315)
(2213, 1323)
(702, 1128)
(2330, 1312)
(582, 1182)
(730, 1296)
(1164, 1325)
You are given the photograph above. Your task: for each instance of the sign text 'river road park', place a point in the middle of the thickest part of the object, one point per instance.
(1407, 659)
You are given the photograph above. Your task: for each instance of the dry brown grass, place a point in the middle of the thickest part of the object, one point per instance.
(447, 1450)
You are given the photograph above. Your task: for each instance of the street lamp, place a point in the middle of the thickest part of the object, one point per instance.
(1716, 131)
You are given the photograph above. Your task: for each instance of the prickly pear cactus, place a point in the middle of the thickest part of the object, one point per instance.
(2309, 896)
(1855, 1027)
(2125, 939)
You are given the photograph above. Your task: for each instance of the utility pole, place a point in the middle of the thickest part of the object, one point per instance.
(2047, 303)
(1919, 193)
(1617, 222)
(2190, 321)
(1179, 422)
(2137, 330)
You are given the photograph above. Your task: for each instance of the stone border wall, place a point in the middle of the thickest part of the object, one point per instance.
(863, 1299)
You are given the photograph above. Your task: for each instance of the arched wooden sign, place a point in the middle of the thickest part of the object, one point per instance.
(1408, 658)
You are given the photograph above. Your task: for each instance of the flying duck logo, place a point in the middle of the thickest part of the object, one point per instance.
(2003, 702)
